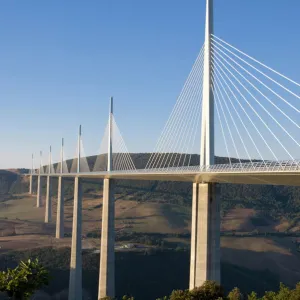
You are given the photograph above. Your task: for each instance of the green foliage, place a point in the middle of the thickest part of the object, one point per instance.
(127, 298)
(210, 290)
(252, 296)
(235, 294)
(180, 295)
(284, 293)
(24, 280)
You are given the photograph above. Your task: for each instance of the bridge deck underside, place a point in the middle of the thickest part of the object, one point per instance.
(291, 178)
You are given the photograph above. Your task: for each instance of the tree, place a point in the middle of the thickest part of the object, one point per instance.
(235, 294)
(253, 296)
(180, 295)
(210, 290)
(125, 297)
(296, 292)
(21, 283)
(283, 294)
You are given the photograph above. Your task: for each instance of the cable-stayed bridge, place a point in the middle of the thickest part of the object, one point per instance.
(232, 105)
(256, 121)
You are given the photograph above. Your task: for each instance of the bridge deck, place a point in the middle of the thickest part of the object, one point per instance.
(274, 177)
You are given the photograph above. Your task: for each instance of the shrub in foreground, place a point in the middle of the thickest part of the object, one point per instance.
(21, 283)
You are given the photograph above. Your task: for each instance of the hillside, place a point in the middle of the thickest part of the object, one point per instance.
(271, 202)
(260, 226)
(244, 259)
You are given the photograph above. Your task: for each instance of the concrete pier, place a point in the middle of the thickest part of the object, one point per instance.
(205, 235)
(60, 209)
(48, 210)
(75, 281)
(39, 192)
(30, 184)
(215, 233)
(107, 251)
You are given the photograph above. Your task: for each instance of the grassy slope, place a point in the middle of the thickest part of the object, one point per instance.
(19, 216)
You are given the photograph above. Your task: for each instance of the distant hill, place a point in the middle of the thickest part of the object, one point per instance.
(274, 202)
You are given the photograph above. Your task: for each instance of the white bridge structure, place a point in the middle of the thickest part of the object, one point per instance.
(231, 103)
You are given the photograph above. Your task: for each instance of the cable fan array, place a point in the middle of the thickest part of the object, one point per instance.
(83, 163)
(44, 169)
(258, 116)
(62, 167)
(33, 169)
(121, 159)
(256, 113)
(41, 169)
(182, 130)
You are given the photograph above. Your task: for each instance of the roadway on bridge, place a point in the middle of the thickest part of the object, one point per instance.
(291, 178)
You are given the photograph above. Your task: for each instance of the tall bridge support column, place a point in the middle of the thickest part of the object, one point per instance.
(48, 210)
(205, 235)
(39, 192)
(107, 251)
(193, 236)
(75, 280)
(60, 209)
(30, 184)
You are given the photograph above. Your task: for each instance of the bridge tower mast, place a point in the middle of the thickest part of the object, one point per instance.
(31, 177)
(39, 184)
(207, 134)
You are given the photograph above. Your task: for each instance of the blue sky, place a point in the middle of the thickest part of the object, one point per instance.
(60, 61)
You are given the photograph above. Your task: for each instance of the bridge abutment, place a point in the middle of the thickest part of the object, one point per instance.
(48, 210)
(75, 280)
(107, 251)
(39, 192)
(205, 235)
(60, 209)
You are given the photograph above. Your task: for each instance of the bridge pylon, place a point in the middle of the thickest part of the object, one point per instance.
(31, 178)
(48, 208)
(60, 198)
(75, 281)
(39, 185)
(205, 228)
(107, 250)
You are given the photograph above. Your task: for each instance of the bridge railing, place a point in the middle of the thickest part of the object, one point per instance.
(261, 166)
